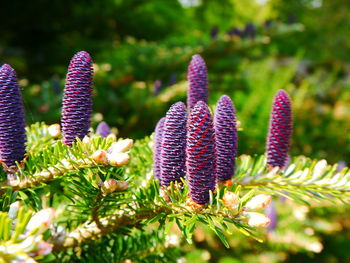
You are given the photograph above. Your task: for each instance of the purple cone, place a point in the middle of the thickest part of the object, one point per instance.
(214, 32)
(341, 166)
(271, 213)
(103, 129)
(77, 99)
(173, 147)
(226, 138)
(268, 23)
(280, 130)
(235, 32)
(158, 86)
(249, 31)
(201, 153)
(158, 134)
(12, 123)
(197, 82)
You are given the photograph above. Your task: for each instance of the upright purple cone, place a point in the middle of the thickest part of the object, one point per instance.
(197, 76)
(77, 99)
(103, 129)
(226, 138)
(280, 130)
(12, 123)
(173, 147)
(200, 153)
(158, 135)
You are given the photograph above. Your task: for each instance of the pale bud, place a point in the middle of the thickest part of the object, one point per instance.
(54, 130)
(172, 241)
(121, 146)
(257, 220)
(44, 248)
(118, 159)
(30, 260)
(230, 200)
(122, 185)
(260, 201)
(66, 164)
(13, 211)
(23, 258)
(45, 174)
(52, 170)
(86, 140)
(41, 221)
(100, 156)
(109, 186)
(319, 168)
(315, 247)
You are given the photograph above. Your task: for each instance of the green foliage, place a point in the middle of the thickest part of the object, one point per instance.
(91, 222)
(21, 236)
(136, 42)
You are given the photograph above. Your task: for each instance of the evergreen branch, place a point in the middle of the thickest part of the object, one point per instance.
(21, 235)
(50, 174)
(171, 205)
(91, 230)
(54, 162)
(303, 178)
(138, 246)
(40, 135)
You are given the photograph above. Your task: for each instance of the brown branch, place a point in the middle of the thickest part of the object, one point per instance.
(89, 231)
(94, 211)
(47, 175)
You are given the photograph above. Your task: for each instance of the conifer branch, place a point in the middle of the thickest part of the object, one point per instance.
(91, 230)
(303, 178)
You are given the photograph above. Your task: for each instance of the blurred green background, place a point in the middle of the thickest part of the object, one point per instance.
(141, 50)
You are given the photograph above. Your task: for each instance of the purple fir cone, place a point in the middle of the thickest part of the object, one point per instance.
(214, 32)
(280, 130)
(341, 166)
(77, 99)
(201, 153)
(271, 213)
(235, 32)
(226, 138)
(12, 123)
(268, 23)
(173, 146)
(158, 135)
(158, 86)
(103, 129)
(197, 76)
(249, 31)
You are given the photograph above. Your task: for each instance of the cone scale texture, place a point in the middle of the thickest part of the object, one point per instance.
(201, 154)
(12, 123)
(158, 134)
(173, 146)
(103, 129)
(280, 130)
(77, 99)
(197, 76)
(226, 138)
